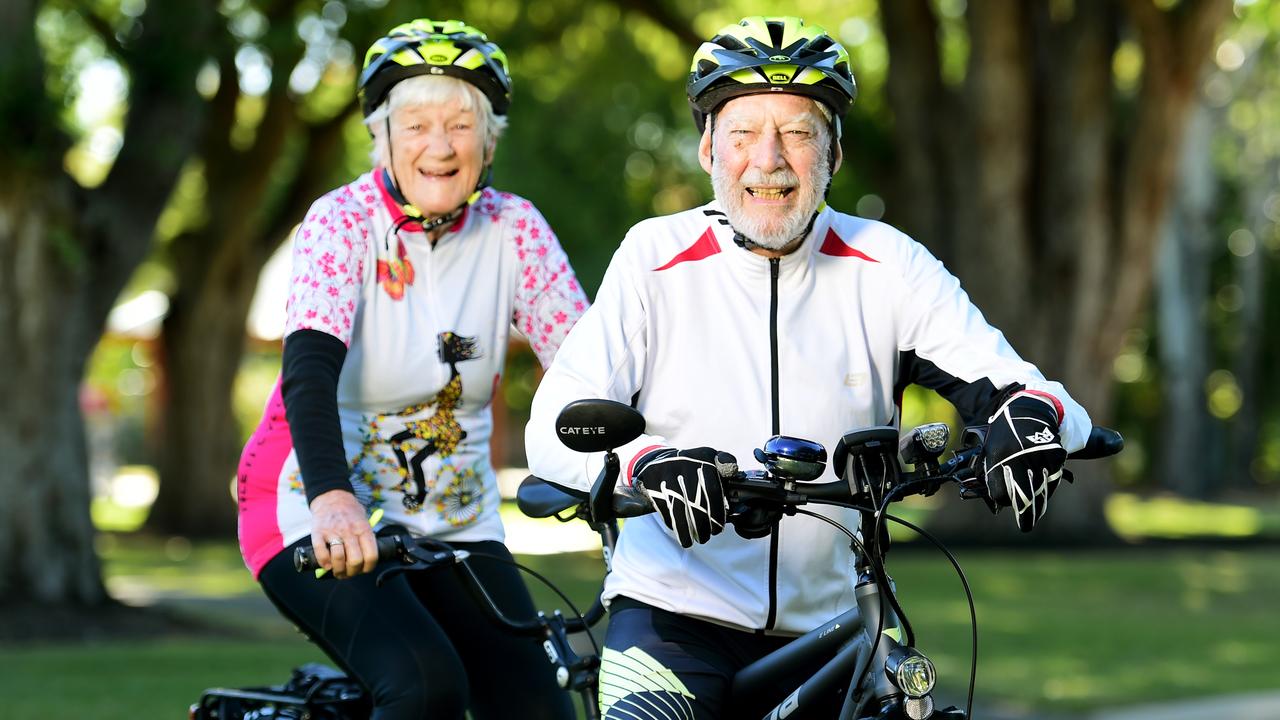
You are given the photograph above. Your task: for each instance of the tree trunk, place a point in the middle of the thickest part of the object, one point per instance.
(922, 191)
(1182, 292)
(45, 530)
(994, 226)
(65, 255)
(203, 342)
(1251, 274)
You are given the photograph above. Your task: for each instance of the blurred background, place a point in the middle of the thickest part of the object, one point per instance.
(1104, 178)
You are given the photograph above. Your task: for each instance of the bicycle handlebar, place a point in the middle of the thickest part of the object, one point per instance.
(426, 553)
(760, 487)
(389, 547)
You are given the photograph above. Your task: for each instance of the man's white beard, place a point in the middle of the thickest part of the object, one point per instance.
(768, 230)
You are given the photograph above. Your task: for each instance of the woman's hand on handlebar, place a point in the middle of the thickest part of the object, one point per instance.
(341, 536)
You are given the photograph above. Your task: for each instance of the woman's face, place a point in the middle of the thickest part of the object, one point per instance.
(437, 154)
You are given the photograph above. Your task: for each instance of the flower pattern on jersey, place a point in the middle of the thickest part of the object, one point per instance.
(548, 299)
(328, 263)
(462, 499)
(396, 273)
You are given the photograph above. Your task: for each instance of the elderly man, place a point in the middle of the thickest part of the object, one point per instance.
(767, 312)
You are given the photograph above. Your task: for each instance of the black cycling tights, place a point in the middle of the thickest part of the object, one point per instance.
(420, 644)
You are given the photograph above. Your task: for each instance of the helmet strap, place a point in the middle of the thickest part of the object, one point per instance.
(831, 153)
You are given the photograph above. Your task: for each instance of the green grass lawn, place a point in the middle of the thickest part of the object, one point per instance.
(1059, 631)
(1081, 630)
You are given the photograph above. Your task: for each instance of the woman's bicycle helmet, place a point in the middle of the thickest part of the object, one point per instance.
(431, 47)
(770, 54)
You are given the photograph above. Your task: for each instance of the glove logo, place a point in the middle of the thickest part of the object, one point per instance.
(1042, 437)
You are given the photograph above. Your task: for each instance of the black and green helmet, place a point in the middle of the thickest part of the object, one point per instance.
(770, 54)
(435, 47)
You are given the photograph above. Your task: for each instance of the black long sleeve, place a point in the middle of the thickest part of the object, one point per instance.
(309, 386)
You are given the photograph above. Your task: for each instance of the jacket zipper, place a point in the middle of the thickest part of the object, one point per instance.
(777, 424)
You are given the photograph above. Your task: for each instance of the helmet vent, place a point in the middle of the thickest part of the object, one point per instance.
(775, 33)
(729, 42)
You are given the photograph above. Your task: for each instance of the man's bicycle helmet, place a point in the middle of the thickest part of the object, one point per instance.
(770, 54)
(434, 47)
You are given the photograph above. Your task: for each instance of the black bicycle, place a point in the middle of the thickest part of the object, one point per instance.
(865, 659)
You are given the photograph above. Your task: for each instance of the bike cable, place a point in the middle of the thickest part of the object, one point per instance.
(856, 543)
(534, 573)
(973, 615)
(881, 577)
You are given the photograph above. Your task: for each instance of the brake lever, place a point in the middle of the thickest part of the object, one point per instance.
(419, 559)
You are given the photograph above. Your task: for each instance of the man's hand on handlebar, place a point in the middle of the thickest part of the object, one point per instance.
(685, 488)
(341, 536)
(1022, 458)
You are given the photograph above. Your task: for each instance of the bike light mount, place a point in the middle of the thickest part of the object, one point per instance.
(867, 460)
(924, 445)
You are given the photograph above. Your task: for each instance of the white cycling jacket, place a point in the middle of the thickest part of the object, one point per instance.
(718, 346)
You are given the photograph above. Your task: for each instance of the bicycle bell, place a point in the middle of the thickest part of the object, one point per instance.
(793, 458)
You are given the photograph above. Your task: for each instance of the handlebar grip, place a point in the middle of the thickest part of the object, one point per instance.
(631, 505)
(304, 556)
(1103, 442)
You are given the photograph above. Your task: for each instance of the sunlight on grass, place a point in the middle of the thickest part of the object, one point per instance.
(1134, 518)
(139, 569)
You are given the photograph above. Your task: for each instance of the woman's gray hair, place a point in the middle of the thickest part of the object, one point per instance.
(433, 90)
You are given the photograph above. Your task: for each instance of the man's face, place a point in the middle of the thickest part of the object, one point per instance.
(768, 164)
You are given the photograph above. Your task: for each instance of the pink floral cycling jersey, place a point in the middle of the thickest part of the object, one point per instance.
(427, 328)
(331, 248)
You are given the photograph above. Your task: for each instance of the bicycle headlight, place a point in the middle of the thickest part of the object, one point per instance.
(911, 672)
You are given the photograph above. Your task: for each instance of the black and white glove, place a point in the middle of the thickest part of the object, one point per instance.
(1022, 458)
(684, 487)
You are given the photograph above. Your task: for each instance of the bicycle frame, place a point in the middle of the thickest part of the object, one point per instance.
(868, 465)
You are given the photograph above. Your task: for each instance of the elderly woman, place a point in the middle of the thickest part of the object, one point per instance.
(406, 284)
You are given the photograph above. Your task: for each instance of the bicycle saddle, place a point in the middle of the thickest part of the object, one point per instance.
(538, 498)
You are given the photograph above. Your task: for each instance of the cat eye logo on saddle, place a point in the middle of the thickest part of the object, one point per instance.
(581, 430)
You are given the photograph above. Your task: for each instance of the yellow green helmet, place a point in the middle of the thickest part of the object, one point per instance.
(770, 54)
(435, 47)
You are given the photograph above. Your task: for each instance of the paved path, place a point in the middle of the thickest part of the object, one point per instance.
(1253, 706)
